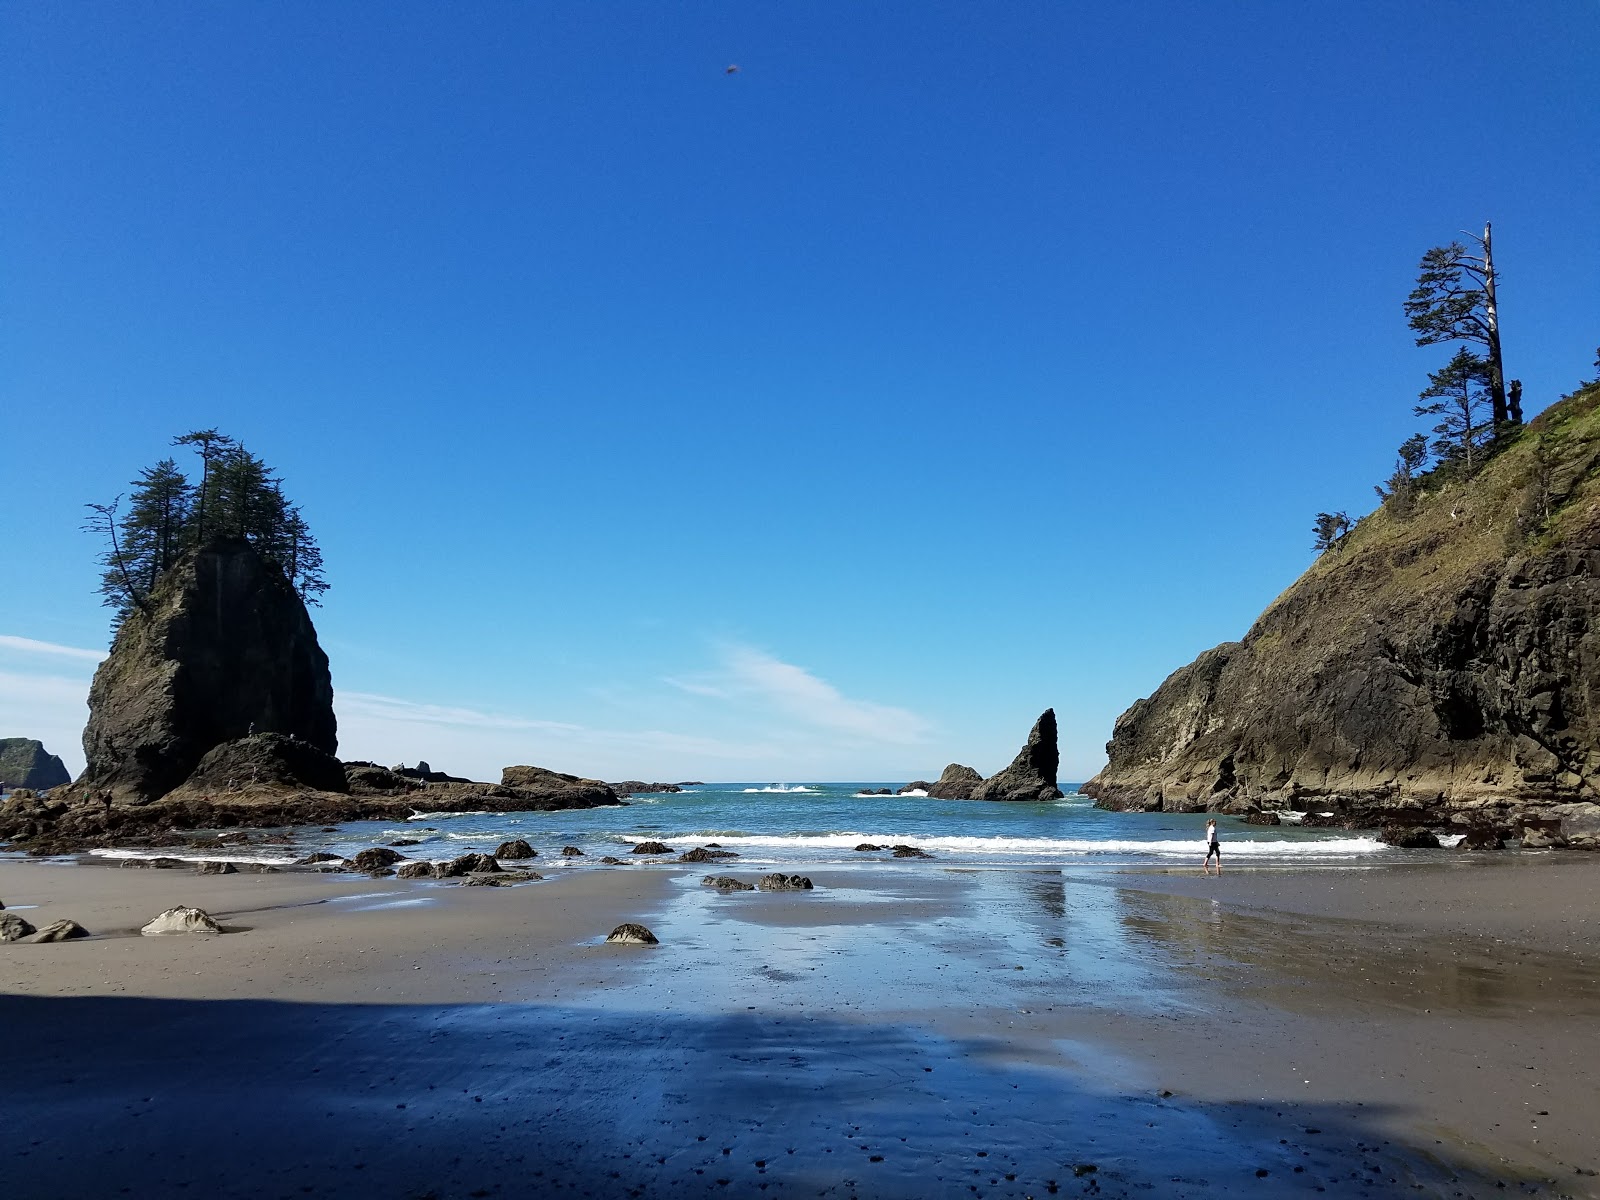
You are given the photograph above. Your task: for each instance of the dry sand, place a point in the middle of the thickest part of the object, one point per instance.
(904, 1030)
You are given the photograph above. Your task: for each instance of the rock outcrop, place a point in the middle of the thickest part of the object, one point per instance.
(1032, 774)
(24, 763)
(181, 920)
(269, 760)
(223, 650)
(1441, 664)
(955, 782)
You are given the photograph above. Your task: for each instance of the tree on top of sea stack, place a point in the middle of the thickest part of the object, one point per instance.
(213, 639)
(1032, 774)
(238, 496)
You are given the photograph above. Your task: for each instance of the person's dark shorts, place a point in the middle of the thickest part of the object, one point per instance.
(1214, 848)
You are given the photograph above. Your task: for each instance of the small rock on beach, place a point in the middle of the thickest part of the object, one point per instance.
(631, 934)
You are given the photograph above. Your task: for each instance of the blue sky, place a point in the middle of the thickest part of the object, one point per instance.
(825, 419)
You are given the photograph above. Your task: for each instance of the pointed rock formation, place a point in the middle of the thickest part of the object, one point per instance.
(24, 764)
(955, 783)
(224, 649)
(1032, 774)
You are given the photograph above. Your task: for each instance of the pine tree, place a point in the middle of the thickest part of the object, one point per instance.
(1460, 393)
(1329, 529)
(1455, 300)
(1402, 484)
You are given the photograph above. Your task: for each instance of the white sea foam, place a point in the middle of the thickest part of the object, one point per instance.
(229, 855)
(443, 816)
(912, 792)
(785, 789)
(1001, 847)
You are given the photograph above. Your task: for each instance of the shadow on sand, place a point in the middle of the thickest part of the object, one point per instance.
(160, 1098)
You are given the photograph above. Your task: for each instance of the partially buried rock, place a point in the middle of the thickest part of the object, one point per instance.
(1032, 774)
(956, 782)
(467, 864)
(515, 849)
(911, 852)
(630, 934)
(727, 883)
(869, 846)
(651, 848)
(376, 859)
(615, 862)
(571, 852)
(415, 870)
(1408, 837)
(784, 883)
(13, 928)
(182, 920)
(503, 879)
(216, 868)
(60, 931)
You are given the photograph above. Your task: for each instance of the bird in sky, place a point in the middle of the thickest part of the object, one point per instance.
(731, 69)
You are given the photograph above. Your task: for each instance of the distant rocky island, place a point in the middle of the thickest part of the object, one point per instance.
(24, 763)
(1438, 665)
(1031, 775)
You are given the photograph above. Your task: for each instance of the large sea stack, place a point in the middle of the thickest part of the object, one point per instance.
(24, 763)
(1032, 774)
(224, 648)
(1441, 664)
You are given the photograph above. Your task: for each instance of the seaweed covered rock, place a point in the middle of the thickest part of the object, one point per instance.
(222, 649)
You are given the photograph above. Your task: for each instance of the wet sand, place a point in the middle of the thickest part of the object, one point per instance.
(905, 1029)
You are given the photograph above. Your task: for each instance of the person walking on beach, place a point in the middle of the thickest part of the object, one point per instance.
(1212, 847)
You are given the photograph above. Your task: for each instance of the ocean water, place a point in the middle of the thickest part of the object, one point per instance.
(787, 826)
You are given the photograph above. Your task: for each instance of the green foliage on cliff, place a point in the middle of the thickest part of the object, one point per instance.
(168, 515)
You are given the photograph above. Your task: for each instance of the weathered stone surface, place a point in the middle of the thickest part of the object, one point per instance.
(1408, 837)
(916, 785)
(325, 856)
(376, 858)
(215, 867)
(727, 883)
(365, 778)
(631, 934)
(60, 931)
(543, 777)
(226, 649)
(503, 879)
(265, 760)
(956, 782)
(1481, 837)
(415, 870)
(1032, 774)
(904, 851)
(784, 883)
(571, 852)
(651, 848)
(467, 864)
(1440, 666)
(517, 848)
(14, 928)
(24, 763)
(701, 854)
(1262, 818)
(181, 920)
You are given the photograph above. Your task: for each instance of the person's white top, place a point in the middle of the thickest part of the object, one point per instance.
(1211, 832)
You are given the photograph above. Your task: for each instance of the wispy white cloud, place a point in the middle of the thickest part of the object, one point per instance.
(389, 708)
(753, 677)
(30, 646)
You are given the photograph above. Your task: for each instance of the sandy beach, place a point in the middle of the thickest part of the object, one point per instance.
(905, 1029)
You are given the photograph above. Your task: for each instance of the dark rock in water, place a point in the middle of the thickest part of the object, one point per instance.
(868, 846)
(1408, 837)
(916, 785)
(1436, 667)
(700, 855)
(225, 649)
(216, 868)
(375, 859)
(423, 773)
(406, 842)
(904, 851)
(323, 856)
(727, 883)
(169, 864)
(537, 777)
(956, 782)
(515, 849)
(504, 879)
(1481, 837)
(266, 759)
(784, 883)
(467, 864)
(1262, 818)
(683, 783)
(874, 792)
(615, 862)
(415, 870)
(60, 931)
(651, 848)
(25, 764)
(1032, 774)
(571, 852)
(1324, 820)
(637, 787)
(13, 928)
(631, 934)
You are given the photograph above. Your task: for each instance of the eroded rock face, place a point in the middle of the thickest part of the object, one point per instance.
(24, 763)
(517, 848)
(226, 650)
(630, 933)
(60, 931)
(1440, 667)
(181, 920)
(1032, 774)
(13, 928)
(265, 760)
(784, 883)
(955, 782)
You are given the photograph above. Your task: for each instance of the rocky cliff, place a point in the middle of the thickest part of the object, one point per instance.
(1032, 774)
(24, 763)
(1441, 665)
(226, 649)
